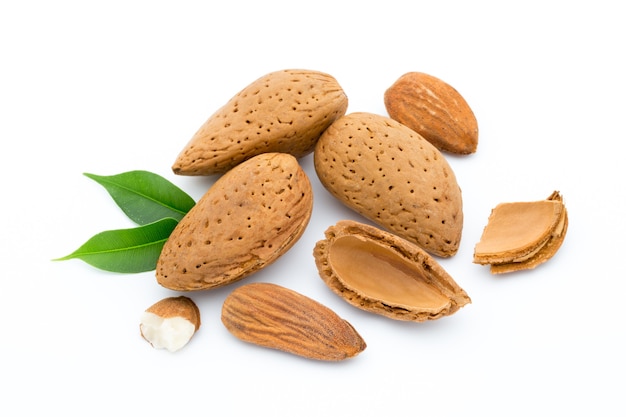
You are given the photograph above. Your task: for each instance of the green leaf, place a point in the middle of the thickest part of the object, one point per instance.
(145, 197)
(126, 250)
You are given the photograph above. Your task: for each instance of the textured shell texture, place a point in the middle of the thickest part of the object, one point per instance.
(394, 177)
(284, 111)
(249, 217)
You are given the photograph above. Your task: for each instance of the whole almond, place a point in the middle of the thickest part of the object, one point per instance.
(276, 317)
(392, 176)
(249, 217)
(283, 111)
(382, 273)
(435, 110)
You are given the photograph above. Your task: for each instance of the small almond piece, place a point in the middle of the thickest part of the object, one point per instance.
(276, 317)
(170, 323)
(382, 273)
(522, 235)
(435, 110)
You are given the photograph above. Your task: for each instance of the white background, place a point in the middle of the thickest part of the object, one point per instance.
(108, 87)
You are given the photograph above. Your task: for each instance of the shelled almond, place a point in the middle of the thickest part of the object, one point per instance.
(276, 317)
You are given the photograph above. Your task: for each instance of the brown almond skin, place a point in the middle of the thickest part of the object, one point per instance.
(394, 177)
(283, 111)
(276, 317)
(250, 217)
(435, 110)
(384, 274)
(180, 306)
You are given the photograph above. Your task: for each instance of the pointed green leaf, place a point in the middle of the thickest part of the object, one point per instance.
(126, 250)
(145, 197)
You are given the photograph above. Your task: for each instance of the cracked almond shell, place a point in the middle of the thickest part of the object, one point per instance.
(382, 273)
(522, 235)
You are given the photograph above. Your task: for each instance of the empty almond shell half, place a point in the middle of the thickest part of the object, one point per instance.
(382, 273)
(522, 235)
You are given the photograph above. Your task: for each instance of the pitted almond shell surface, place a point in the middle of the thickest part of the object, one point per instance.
(251, 216)
(276, 317)
(522, 235)
(435, 110)
(283, 111)
(382, 273)
(392, 176)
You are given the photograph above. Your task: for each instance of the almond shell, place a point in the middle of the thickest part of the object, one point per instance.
(379, 272)
(249, 217)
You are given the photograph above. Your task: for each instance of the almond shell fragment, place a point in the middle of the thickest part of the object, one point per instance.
(379, 272)
(522, 235)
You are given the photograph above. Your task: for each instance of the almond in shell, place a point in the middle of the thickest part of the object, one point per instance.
(435, 110)
(276, 317)
(394, 177)
(251, 216)
(283, 111)
(382, 273)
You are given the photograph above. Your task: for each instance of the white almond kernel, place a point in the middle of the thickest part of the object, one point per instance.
(170, 323)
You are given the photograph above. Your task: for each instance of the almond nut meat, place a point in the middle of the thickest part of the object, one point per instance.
(522, 235)
(276, 317)
(170, 323)
(382, 273)
(251, 216)
(435, 110)
(283, 111)
(394, 177)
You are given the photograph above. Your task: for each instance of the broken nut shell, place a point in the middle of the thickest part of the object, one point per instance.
(522, 235)
(382, 273)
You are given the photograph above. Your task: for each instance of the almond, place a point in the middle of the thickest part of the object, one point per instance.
(170, 323)
(392, 176)
(283, 111)
(522, 235)
(276, 317)
(435, 110)
(251, 216)
(382, 273)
